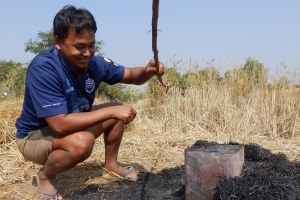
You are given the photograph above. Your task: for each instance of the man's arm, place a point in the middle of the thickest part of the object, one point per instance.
(140, 75)
(65, 124)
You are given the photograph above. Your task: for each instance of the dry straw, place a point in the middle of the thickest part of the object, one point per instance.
(157, 138)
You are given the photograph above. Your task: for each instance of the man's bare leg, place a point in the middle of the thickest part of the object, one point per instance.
(112, 139)
(75, 148)
(67, 152)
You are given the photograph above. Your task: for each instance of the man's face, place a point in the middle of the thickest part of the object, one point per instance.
(77, 49)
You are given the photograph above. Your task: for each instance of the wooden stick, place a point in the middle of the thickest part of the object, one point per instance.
(155, 9)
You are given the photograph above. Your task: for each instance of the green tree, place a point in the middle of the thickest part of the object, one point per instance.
(132, 93)
(115, 91)
(156, 90)
(12, 78)
(208, 76)
(45, 40)
(255, 70)
(235, 74)
(243, 78)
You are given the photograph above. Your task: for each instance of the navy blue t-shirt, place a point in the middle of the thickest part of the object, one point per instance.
(52, 88)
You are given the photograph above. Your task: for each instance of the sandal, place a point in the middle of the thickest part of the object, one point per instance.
(54, 194)
(123, 176)
(130, 170)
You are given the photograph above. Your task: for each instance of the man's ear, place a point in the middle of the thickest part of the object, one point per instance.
(58, 42)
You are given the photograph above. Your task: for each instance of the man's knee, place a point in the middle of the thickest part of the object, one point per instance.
(82, 146)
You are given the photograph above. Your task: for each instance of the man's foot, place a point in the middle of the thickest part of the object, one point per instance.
(47, 188)
(125, 172)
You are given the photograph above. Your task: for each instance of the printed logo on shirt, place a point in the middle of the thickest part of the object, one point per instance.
(106, 59)
(50, 105)
(89, 85)
(83, 104)
(75, 108)
(69, 89)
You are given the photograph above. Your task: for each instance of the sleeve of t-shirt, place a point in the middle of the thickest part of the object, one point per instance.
(110, 71)
(46, 90)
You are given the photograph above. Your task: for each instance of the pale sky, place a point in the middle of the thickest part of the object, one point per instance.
(266, 30)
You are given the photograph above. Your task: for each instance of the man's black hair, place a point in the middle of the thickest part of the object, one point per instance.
(71, 17)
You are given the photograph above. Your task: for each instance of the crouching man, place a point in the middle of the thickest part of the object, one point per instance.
(59, 124)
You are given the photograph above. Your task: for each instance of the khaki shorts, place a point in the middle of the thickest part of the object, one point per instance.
(37, 145)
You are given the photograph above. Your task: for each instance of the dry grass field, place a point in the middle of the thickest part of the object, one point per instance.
(162, 130)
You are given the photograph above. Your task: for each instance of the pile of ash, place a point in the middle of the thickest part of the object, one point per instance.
(264, 176)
